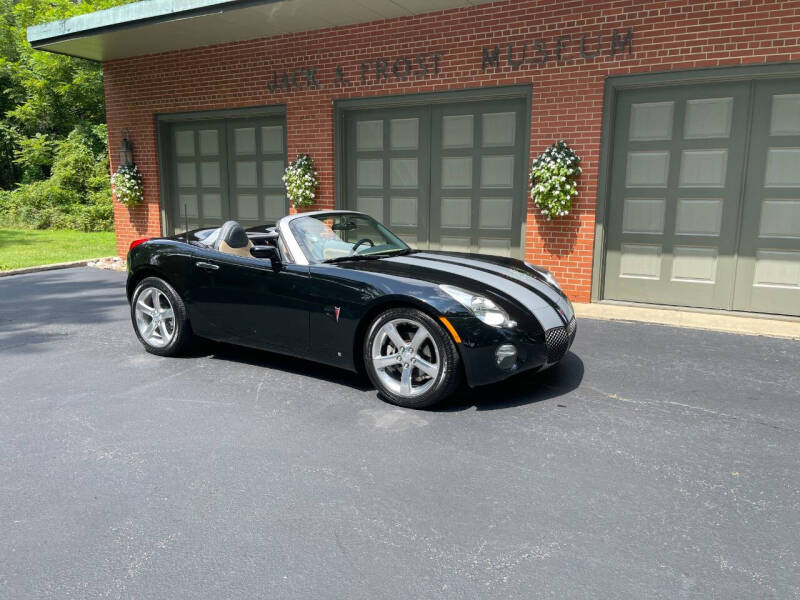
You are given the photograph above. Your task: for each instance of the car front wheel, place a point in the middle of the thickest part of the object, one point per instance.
(411, 359)
(159, 318)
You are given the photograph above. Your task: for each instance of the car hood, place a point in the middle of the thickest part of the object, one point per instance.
(508, 277)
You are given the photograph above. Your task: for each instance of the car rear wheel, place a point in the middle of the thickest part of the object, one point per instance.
(159, 318)
(411, 359)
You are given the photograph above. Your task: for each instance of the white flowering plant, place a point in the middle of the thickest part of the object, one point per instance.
(300, 179)
(127, 185)
(553, 180)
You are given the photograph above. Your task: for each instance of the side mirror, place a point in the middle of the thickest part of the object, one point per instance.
(270, 252)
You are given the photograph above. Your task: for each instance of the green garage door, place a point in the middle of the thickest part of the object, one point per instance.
(227, 169)
(443, 177)
(705, 197)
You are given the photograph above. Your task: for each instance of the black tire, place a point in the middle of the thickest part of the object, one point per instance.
(439, 387)
(181, 332)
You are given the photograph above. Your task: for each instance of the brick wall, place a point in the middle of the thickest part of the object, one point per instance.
(567, 93)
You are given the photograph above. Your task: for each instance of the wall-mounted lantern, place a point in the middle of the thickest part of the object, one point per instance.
(125, 150)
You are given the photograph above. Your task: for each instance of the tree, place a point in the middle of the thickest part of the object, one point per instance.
(45, 98)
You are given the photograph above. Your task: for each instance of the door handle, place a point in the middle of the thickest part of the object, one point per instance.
(207, 266)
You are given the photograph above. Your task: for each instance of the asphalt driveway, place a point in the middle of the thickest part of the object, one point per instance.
(653, 463)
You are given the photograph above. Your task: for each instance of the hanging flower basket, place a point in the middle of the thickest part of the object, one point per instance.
(553, 180)
(127, 185)
(300, 179)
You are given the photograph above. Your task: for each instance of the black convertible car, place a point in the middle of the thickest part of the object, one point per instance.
(340, 288)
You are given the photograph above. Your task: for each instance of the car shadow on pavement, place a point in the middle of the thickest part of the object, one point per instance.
(280, 362)
(525, 388)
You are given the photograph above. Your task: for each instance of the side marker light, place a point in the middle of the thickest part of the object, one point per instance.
(451, 329)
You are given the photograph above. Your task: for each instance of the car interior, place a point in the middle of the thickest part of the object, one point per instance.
(338, 236)
(232, 238)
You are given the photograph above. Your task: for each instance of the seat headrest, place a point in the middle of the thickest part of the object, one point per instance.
(232, 234)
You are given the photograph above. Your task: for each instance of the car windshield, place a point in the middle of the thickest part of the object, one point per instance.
(336, 236)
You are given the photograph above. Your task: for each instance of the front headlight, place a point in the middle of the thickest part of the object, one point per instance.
(548, 276)
(480, 306)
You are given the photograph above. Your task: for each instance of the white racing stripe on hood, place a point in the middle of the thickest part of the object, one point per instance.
(537, 305)
(529, 280)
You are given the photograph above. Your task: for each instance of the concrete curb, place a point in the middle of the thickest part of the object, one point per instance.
(740, 324)
(54, 266)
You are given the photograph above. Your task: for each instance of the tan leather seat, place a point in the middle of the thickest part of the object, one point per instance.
(232, 239)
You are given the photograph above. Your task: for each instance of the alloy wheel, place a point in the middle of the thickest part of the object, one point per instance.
(405, 357)
(155, 317)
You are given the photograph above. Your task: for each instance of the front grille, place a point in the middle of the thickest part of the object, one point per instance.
(558, 340)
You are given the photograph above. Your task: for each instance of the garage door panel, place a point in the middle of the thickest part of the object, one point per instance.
(647, 169)
(386, 173)
(447, 176)
(676, 182)
(369, 135)
(768, 269)
(256, 168)
(404, 173)
(212, 205)
(478, 195)
(226, 169)
(783, 168)
(785, 114)
(496, 246)
(640, 261)
(708, 118)
(209, 142)
(780, 218)
(187, 174)
(457, 131)
(695, 264)
(196, 176)
(404, 133)
(651, 121)
(456, 172)
(184, 143)
(643, 215)
(699, 217)
(703, 168)
(244, 141)
(272, 139)
(404, 211)
(456, 213)
(777, 268)
(707, 213)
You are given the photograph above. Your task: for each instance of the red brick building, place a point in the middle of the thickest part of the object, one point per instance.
(428, 114)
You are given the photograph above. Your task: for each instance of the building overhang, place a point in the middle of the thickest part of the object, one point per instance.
(154, 26)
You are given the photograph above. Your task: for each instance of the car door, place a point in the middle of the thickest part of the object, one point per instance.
(245, 301)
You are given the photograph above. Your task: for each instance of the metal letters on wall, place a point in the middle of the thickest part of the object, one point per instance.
(428, 64)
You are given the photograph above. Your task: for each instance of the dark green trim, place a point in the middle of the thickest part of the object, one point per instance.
(617, 83)
(427, 98)
(271, 110)
(162, 147)
(41, 43)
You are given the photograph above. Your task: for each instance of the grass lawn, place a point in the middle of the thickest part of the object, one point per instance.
(28, 248)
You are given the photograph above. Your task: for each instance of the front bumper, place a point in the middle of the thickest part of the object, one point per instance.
(534, 351)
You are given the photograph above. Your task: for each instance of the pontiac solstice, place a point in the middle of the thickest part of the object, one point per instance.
(338, 287)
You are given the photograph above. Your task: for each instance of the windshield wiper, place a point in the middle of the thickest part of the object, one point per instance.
(354, 257)
(371, 256)
(395, 252)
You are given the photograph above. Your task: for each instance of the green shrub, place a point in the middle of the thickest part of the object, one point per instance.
(77, 195)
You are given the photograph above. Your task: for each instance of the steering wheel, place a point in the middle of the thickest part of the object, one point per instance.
(362, 241)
